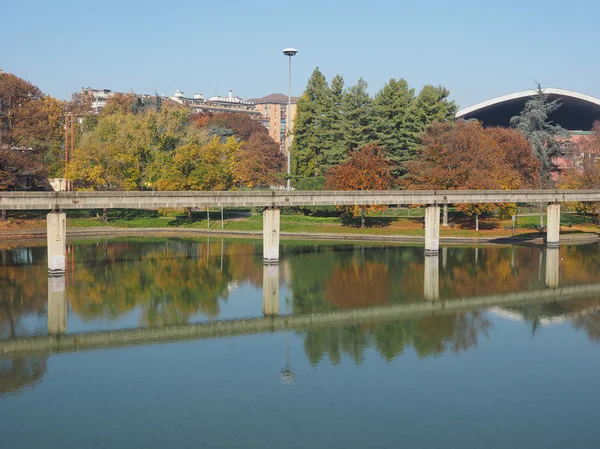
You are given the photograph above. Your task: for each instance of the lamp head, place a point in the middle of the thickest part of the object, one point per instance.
(289, 51)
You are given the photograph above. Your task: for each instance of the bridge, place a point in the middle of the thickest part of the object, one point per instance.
(272, 201)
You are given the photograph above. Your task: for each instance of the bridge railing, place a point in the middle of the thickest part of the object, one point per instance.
(155, 200)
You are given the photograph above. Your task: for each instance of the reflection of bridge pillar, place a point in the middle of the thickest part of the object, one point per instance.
(271, 290)
(431, 286)
(444, 257)
(552, 265)
(271, 235)
(553, 231)
(57, 305)
(57, 242)
(432, 230)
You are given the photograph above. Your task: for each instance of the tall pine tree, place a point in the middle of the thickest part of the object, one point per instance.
(431, 105)
(335, 150)
(357, 110)
(311, 127)
(391, 107)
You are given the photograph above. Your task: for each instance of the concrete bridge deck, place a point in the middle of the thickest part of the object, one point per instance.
(272, 198)
(238, 327)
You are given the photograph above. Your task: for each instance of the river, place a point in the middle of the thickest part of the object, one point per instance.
(512, 374)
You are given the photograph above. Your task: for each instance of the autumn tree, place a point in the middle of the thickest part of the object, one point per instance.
(119, 103)
(261, 162)
(585, 173)
(21, 171)
(465, 156)
(241, 124)
(201, 167)
(15, 94)
(367, 169)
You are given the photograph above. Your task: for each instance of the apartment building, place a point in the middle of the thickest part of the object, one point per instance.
(275, 117)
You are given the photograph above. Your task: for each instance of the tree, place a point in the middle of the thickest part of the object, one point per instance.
(517, 155)
(241, 124)
(261, 162)
(430, 106)
(119, 103)
(21, 171)
(357, 110)
(585, 173)
(465, 156)
(15, 94)
(543, 135)
(336, 150)
(367, 169)
(391, 107)
(201, 167)
(311, 127)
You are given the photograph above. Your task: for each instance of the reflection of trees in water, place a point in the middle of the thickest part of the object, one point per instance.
(20, 372)
(20, 294)
(170, 280)
(327, 279)
(584, 313)
(431, 335)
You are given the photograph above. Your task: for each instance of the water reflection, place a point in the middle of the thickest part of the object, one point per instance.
(271, 290)
(21, 372)
(431, 288)
(57, 305)
(552, 267)
(163, 282)
(430, 335)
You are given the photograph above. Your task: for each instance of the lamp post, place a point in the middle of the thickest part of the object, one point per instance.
(289, 52)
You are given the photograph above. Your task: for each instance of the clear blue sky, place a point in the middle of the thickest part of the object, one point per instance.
(478, 49)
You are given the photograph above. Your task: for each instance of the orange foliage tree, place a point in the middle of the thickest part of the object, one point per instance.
(465, 156)
(585, 173)
(260, 162)
(367, 169)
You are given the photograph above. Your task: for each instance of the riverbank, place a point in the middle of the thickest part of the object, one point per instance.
(110, 232)
(390, 228)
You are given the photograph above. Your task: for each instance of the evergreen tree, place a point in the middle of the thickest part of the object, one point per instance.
(335, 151)
(158, 101)
(357, 110)
(431, 105)
(391, 107)
(541, 133)
(311, 127)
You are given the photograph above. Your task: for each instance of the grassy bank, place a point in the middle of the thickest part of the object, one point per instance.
(391, 222)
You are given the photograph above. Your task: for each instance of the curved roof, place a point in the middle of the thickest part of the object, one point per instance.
(578, 111)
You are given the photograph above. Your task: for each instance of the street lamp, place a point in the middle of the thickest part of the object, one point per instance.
(289, 52)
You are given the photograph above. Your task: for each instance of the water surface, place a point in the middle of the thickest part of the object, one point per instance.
(519, 375)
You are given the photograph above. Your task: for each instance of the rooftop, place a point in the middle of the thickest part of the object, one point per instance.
(273, 99)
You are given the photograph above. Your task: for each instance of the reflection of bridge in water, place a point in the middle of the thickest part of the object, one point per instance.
(59, 341)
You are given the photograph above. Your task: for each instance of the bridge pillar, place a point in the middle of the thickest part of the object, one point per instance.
(553, 231)
(57, 242)
(445, 216)
(57, 305)
(271, 290)
(431, 286)
(432, 230)
(271, 236)
(552, 267)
